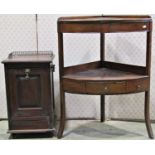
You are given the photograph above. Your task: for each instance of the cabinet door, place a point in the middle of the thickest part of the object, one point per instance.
(30, 97)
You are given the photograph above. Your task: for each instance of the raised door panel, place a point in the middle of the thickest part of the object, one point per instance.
(30, 93)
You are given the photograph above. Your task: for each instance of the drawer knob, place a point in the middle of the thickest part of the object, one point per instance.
(138, 86)
(144, 26)
(105, 88)
(27, 72)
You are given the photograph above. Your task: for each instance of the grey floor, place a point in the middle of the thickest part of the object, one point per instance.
(94, 130)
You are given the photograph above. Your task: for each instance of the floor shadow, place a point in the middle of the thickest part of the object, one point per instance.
(96, 130)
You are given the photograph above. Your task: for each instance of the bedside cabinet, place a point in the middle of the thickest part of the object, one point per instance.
(30, 95)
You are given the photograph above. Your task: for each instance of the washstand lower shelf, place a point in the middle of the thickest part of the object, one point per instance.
(105, 81)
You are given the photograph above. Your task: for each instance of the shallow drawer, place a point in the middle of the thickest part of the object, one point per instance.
(127, 27)
(137, 85)
(104, 27)
(73, 86)
(106, 87)
(87, 27)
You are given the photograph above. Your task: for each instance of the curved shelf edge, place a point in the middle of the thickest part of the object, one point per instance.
(106, 87)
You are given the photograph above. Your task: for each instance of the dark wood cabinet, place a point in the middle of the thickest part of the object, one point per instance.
(30, 96)
(103, 77)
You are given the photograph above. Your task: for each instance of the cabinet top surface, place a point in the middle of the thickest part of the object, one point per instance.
(105, 19)
(28, 57)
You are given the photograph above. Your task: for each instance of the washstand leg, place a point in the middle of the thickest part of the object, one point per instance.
(147, 115)
(62, 116)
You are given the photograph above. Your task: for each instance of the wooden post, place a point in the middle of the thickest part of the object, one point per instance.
(102, 58)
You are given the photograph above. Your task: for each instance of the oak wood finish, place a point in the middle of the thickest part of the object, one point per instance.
(103, 77)
(30, 99)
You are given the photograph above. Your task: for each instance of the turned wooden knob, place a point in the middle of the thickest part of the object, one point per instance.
(144, 26)
(105, 88)
(138, 86)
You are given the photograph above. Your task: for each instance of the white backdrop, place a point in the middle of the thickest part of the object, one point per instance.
(17, 33)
